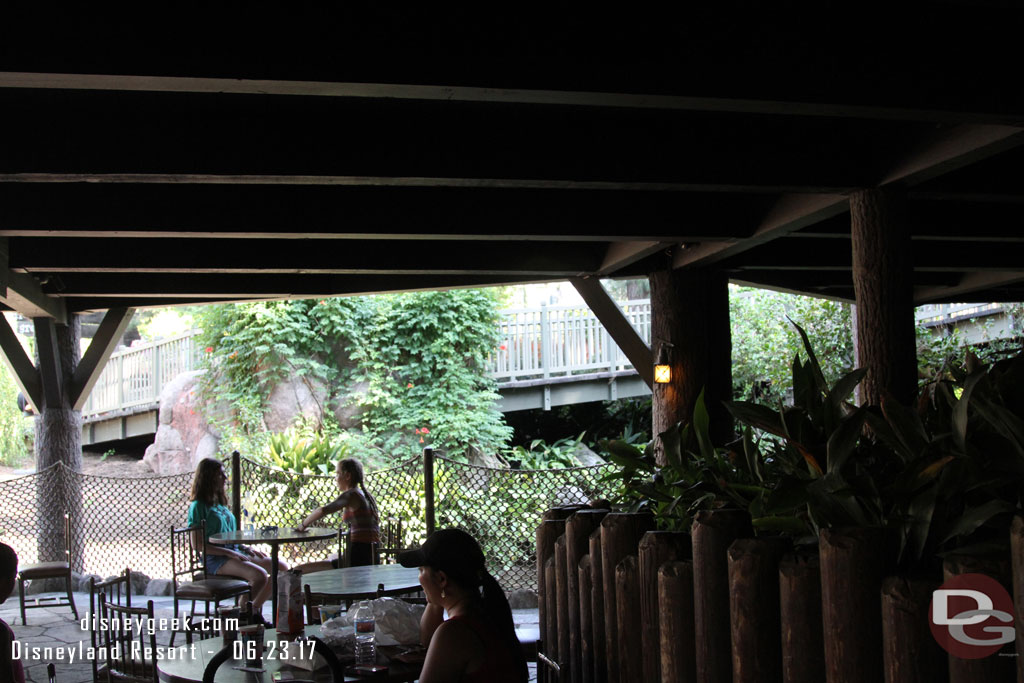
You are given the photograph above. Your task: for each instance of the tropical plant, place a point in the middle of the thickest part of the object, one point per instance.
(943, 476)
(541, 455)
(315, 454)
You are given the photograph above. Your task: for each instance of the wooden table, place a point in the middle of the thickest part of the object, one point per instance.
(355, 583)
(274, 539)
(188, 665)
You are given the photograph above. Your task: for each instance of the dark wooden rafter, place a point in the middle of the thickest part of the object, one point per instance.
(23, 293)
(103, 343)
(611, 316)
(25, 374)
(50, 373)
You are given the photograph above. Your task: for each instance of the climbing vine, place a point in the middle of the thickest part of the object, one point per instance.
(418, 361)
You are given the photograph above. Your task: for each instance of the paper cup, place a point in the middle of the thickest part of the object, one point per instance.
(329, 612)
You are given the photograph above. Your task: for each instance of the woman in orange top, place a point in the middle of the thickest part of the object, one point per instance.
(360, 514)
(478, 640)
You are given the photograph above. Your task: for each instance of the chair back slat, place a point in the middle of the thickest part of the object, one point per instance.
(129, 642)
(188, 552)
(116, 591)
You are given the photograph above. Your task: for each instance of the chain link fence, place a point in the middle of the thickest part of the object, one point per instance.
(126, 522)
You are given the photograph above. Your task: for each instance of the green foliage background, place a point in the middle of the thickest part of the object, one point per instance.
(420, 356)
(15, 427)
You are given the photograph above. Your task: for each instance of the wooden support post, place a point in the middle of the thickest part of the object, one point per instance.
(883, 286)
(627, 619)
(597, 607)
(1017, 565)
(561, 604)
(713, 533)
(851, 583)
(677, 644)
(620, 536)
(754, 609)
(803, 649)
(909, 651)
(991, 669)
(578, 528)
(690, 312)
(656, 548)
(586, 585)
(550, 609)
(236, 484)
(552, 526)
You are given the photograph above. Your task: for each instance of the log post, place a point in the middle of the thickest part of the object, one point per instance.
(909, 651)
(1017, 564)
(713, 533)
(620, 536)
(561, 605)
(994, 668)
(675, 623)
(597, 607)
(754, 609)
(627, 599)
(690, 314)
(586, 620)
(551, 610)
(803, 649)
(883, 286)
(578, 528)
(551, 527)
(656, 548)
(851, 582)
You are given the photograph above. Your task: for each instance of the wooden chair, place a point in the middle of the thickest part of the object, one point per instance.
(129, 644)
(188, 560)
(390, 540)
(115, 591)
(49, 570)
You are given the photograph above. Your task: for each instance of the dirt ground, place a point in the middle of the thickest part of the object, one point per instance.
(115, 465)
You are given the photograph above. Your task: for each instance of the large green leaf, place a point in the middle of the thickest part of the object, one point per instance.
(843, 441)
(906, 426)
(757, 416)
(815, 366)
(844, 387)
(960, 410)
(974, 517)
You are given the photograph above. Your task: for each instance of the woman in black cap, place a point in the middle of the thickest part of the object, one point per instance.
(478, 640)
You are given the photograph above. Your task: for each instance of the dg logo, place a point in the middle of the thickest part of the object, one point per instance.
(971, 616)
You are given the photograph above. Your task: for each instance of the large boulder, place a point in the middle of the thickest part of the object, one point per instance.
(349, 413)
(183, 437)
(586, 457)
(290, 400)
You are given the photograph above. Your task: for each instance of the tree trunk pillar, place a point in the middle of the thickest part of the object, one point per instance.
(883, 286)
(690, 312)
(58, 438)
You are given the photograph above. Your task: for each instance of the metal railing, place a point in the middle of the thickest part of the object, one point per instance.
(543, 341)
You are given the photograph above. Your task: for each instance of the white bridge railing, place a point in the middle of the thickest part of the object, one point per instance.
(539, 342)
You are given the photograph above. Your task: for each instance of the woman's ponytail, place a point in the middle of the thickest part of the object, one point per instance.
(499, 613)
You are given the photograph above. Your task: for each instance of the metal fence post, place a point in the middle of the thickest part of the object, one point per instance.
(428, 488)
(236, 485)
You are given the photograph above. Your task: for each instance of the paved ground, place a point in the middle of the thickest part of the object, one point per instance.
(55, 628)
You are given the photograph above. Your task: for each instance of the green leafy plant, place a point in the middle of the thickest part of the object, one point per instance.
(315, 454)
(542, 455)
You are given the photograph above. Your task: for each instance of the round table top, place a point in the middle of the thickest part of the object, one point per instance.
(361, 582)
(189, 662)
(280, 535)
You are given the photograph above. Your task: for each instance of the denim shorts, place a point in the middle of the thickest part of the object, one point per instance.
(215, 562)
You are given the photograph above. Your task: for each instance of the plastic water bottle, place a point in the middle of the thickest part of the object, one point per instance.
(365, 625)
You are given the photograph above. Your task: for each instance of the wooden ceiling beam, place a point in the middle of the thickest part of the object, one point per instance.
(970, 286)
(300, 257)
(372, 212)
(467, 94)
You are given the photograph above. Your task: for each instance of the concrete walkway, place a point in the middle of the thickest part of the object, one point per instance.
(55, 628)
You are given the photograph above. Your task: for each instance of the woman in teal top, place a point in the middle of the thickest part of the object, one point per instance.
(210, 504)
